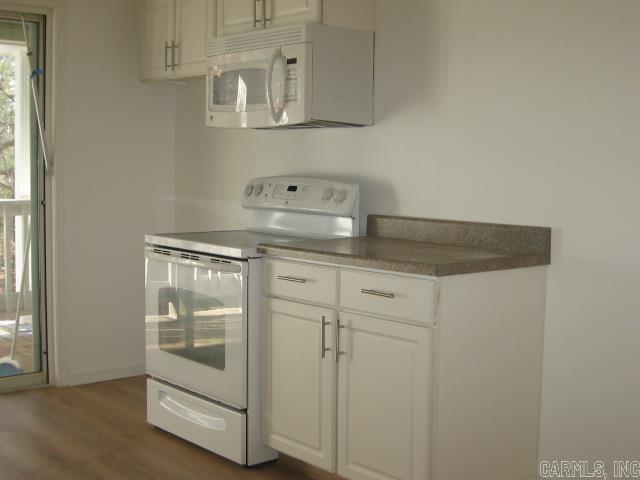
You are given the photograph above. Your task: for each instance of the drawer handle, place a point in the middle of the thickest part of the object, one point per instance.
(377, 293)
(191, 415)
(292, 279)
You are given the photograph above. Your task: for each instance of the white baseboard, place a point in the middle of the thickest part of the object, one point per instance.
(81, 378)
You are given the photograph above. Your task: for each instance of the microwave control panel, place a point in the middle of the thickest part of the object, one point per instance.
(303, 194)
(292, 94)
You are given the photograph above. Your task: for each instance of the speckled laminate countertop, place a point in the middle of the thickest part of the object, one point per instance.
(428, 247)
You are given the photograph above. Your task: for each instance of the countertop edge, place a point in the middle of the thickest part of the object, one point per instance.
(507, 262)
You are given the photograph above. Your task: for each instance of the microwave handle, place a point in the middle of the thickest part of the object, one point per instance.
(276, 113)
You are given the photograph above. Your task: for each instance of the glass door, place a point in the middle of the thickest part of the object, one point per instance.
(22, 340)
(196, 323)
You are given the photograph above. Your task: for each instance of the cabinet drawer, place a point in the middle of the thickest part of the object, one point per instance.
(299, 281)
(388, 295)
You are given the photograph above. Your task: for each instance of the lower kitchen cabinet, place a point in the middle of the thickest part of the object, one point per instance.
(383, 389)
(300, 382)
(384, 392)
(436, 378)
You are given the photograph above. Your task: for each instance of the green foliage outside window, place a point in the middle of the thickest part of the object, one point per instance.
(7, 125)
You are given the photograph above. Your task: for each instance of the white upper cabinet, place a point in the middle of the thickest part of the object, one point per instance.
(175, 33)
(157, 33)
(282, 12)
(191, 37)
(174, 38)
(235, 16)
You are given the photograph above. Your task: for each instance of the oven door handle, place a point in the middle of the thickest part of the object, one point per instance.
(216, 267)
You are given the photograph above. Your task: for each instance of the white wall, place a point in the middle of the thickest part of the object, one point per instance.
(113, 182)
(512, 111)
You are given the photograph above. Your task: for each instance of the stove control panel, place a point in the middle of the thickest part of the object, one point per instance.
(302, 194)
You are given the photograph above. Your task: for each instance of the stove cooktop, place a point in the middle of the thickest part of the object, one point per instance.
(229, 243)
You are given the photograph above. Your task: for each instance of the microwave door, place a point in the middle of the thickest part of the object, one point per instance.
(259, 88)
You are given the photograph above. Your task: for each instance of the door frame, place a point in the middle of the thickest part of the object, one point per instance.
(51, 13)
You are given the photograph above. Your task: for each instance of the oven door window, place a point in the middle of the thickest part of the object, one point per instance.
(196, 310)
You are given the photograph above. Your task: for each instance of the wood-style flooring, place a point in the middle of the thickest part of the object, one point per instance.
(99, 431)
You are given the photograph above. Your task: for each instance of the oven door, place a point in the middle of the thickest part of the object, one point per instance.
(258, 88)
(196, 323)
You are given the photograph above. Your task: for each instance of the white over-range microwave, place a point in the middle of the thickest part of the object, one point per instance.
(305, 75)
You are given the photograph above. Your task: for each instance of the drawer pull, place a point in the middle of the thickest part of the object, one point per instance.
(190, 414)
(377, 293)
(292, 279)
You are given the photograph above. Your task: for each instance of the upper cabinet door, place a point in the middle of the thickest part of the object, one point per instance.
(189, 56)
(235, 16)
(282, 12)
(384, 389)
(157, 33)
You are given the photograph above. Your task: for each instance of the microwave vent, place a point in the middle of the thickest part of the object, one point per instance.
(313, 124)
(268, 38)
(189, 256)
(159, 251)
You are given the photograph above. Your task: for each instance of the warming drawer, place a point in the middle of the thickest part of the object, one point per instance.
(207, 424)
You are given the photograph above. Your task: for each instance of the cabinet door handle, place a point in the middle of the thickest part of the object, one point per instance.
(291, 279)
(174, 45)
(337, 351)
(376, 293)
(255, 13)
(264, 14)
(323, 346)
(166, 56)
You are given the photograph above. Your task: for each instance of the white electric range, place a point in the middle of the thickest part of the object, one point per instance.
(203, 312)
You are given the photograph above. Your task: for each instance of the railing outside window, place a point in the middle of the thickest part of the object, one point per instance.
(14, 218)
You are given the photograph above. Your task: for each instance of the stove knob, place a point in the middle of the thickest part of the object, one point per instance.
(248, 190)
(257, 189)
(340, 196)
(327, 194)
